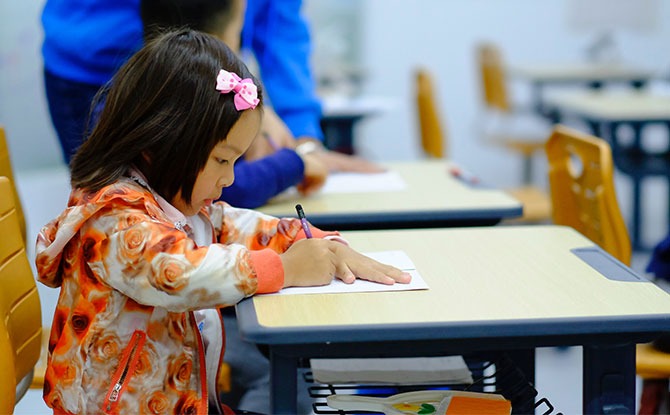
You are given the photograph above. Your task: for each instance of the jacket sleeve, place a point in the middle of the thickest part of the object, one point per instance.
(259, 180)
(256, 230)
(156, 264)
(279, 38)
(266, 236)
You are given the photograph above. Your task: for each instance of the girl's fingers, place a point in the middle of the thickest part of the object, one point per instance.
(345, 274)
(386, 274)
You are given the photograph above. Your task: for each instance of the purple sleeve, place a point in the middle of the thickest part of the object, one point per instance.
(259, 180)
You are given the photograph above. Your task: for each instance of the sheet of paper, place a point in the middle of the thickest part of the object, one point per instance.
(398, 259)
(346, 182)
(405, 370)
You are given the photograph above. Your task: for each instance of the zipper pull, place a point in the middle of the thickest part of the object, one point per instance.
(115, 393)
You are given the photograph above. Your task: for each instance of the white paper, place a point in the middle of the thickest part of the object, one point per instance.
(405, 370)
(398, 259)
(346, 182)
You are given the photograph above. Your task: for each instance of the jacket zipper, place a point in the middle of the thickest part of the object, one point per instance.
(204, 398)
(127, 365)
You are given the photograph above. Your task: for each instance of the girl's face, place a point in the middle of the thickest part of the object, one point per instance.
(218, 171)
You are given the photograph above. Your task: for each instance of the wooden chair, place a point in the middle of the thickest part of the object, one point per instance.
(430, 126)
(583, 196)
(536, 204)
(20, 311)
(497, 127)
(6, 170)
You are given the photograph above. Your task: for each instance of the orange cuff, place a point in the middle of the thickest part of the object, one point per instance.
(269, 271)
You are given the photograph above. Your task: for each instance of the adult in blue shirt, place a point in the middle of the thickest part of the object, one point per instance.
(86, 41)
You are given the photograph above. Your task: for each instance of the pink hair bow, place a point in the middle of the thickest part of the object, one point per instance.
(246, 92)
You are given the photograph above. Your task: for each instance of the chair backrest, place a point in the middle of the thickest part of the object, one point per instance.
(20, 310)
(6, 170)
(582, 189)
(492, 72)
(430, 126)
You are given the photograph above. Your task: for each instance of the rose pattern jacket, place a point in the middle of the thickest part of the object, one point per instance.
(124, 337)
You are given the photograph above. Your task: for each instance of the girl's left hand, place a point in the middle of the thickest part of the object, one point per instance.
(352, 264)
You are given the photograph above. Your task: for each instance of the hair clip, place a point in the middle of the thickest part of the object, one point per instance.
(246, 92)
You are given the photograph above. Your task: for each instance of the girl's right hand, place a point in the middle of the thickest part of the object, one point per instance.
(311, 262)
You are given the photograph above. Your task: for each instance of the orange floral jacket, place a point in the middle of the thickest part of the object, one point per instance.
(124, 337)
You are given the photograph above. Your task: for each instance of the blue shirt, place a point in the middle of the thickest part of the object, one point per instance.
(275, 32)
(86, 41)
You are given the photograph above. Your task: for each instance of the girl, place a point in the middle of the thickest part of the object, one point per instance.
(142, 255)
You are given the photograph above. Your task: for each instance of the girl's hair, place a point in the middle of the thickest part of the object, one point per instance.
(207, 16)
(162, 115)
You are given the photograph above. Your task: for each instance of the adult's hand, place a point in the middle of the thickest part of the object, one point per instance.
(316, 173)
(347, 163)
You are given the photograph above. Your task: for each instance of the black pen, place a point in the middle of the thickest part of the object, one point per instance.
(303, 220)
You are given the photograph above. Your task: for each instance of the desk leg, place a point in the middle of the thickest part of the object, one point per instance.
(637, 192)
(283, 384)
(609, 379)
(515, 384)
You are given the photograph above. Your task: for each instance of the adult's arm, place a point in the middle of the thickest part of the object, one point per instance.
(279, 37)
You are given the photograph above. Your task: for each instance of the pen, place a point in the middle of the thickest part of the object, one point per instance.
(303, 220)
(464, 175)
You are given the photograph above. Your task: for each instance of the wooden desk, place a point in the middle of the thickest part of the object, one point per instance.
(432, 198)
(491, 288)
(593, 75)
(604, 113)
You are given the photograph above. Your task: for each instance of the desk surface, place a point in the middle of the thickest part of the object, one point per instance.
(580, 72)
(433, 197)
(484, 282)
(614, 106)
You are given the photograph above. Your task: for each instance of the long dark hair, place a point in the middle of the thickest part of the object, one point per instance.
(162, 114)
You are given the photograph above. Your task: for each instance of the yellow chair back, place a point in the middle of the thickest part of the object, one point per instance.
(20, 310)
(583, 195)
(430, 126)
(492, 73)
(6, 170)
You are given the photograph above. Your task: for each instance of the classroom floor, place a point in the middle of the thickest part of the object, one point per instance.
(44, 194)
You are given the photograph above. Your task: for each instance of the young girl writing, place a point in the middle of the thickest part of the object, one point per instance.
(142, 255)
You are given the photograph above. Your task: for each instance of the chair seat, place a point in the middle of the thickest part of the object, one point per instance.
(652, 363)
(536, 203)
(526, 148)
(41, 365)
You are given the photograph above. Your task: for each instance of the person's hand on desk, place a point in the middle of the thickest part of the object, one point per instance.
(316, 173)
(317, 261)
(347, 163)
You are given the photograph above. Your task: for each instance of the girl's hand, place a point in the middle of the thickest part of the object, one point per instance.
(317, 261)
(315, 175)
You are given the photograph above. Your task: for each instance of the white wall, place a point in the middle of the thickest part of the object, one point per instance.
(441, 35)
(396, 35)
(23, 109)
